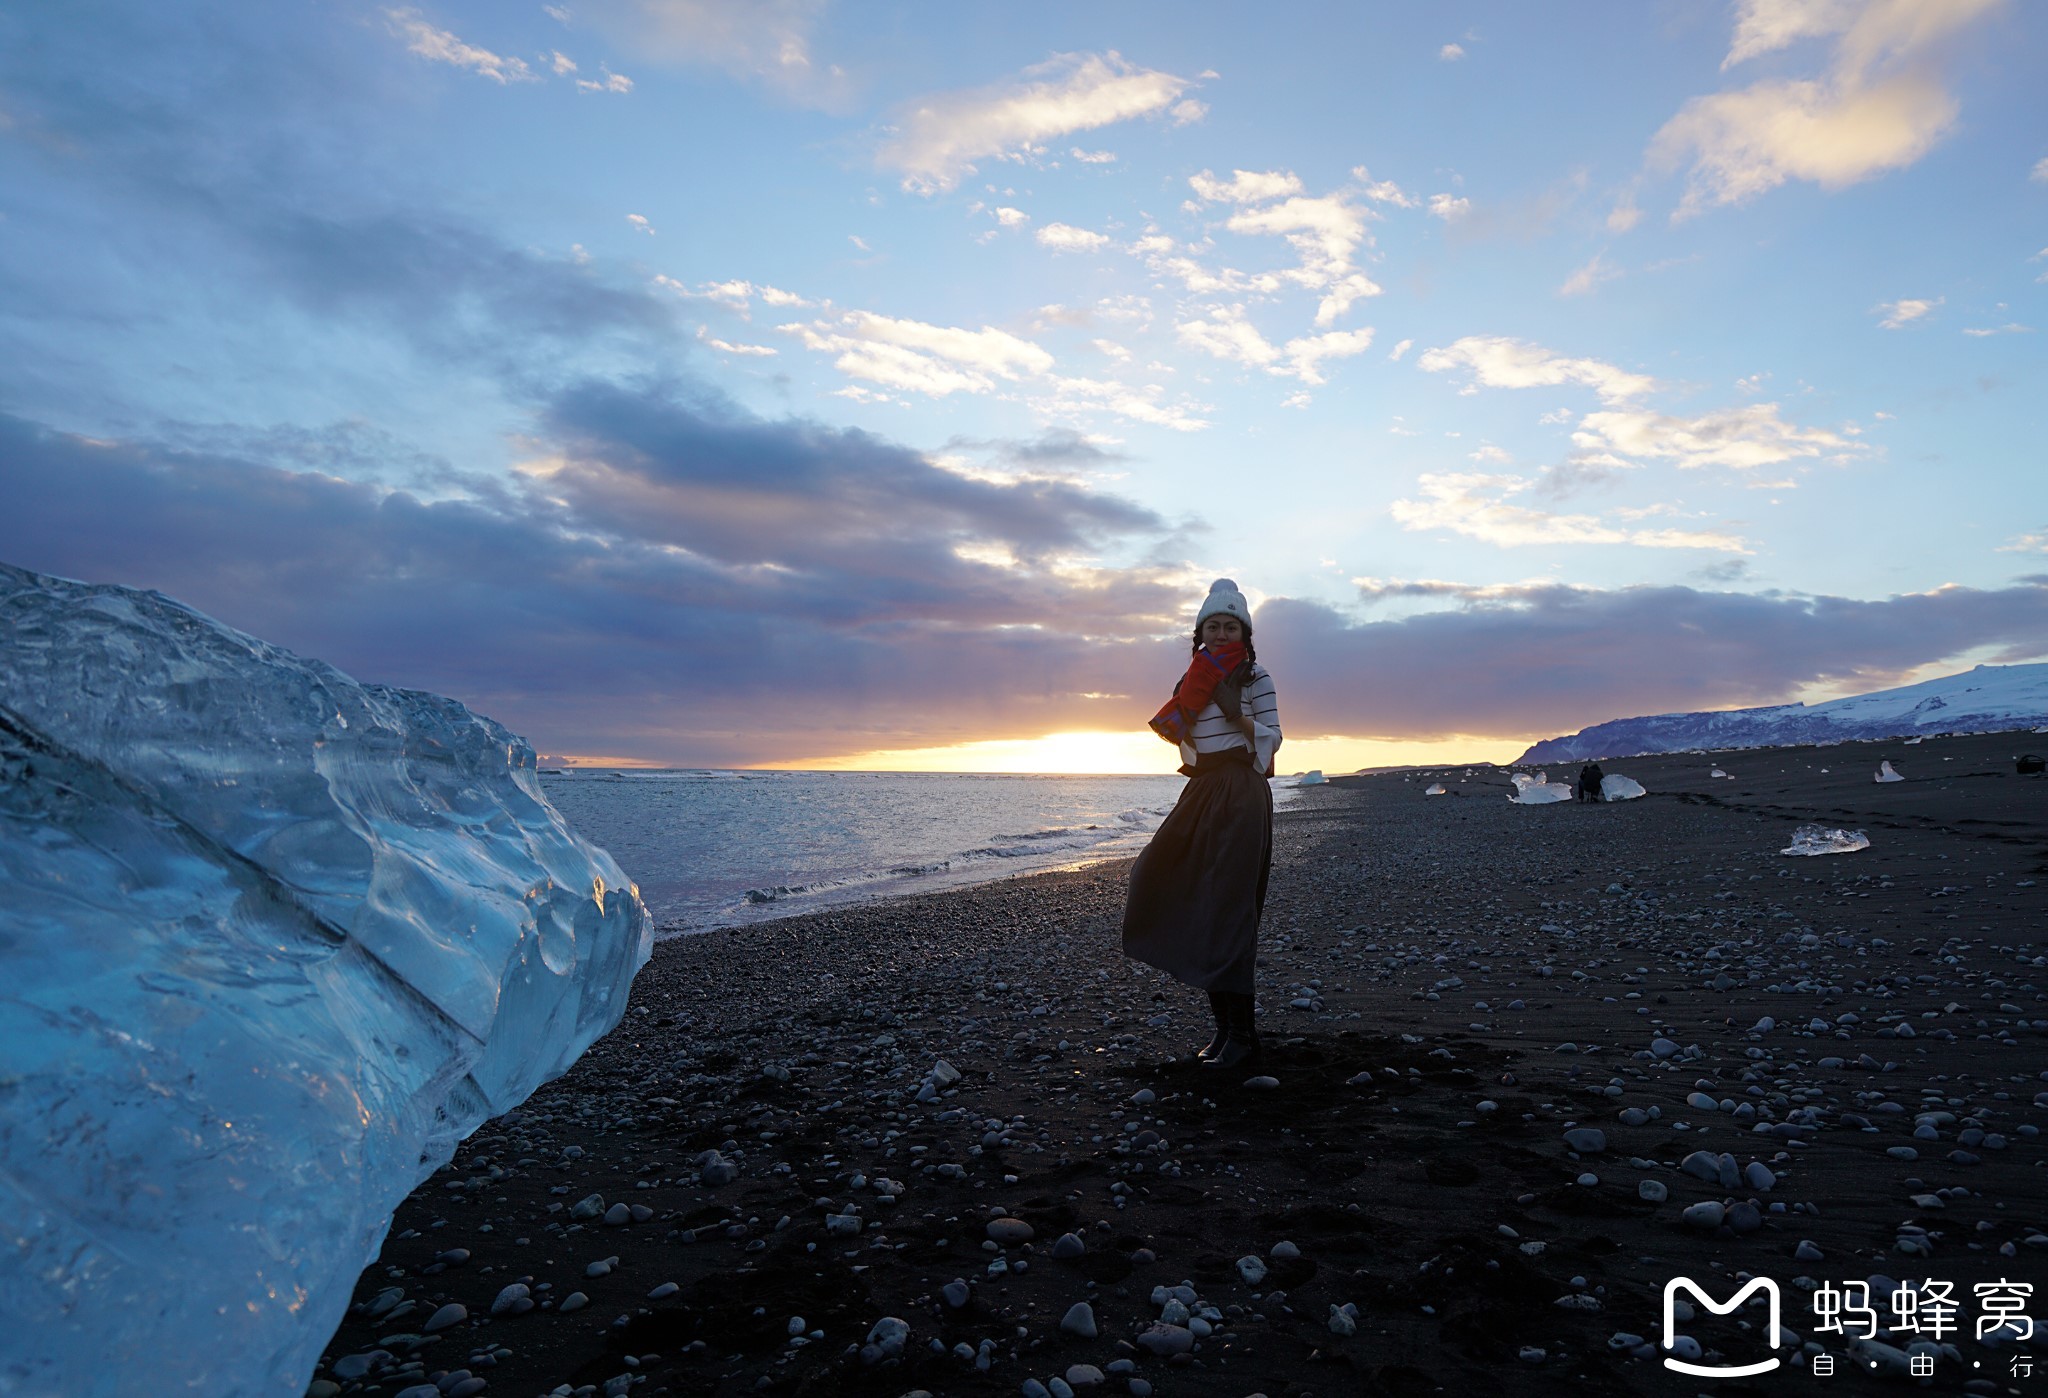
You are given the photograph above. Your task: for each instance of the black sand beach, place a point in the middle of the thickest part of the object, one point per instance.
(1447, 986)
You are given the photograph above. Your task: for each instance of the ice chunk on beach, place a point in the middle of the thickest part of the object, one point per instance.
(1717, 772)
(1315, 778)
(274, 943)
(1887, 773)
(1817, 839)
(1538, 790)
(1615, 787)
(1435, 789)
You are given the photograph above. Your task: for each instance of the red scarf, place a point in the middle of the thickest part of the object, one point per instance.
(1210, 666)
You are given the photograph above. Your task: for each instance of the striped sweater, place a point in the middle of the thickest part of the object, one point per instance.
(1215, 733)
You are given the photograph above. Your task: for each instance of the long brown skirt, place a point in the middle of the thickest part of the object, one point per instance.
(1199, 887)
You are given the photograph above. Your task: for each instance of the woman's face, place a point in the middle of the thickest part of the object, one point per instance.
(1221, 630)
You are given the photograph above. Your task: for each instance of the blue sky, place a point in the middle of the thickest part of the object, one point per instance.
(717, 383)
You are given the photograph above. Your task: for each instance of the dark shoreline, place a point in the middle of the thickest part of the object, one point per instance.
(795, 1048)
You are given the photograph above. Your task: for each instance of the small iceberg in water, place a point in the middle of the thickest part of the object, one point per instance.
(1315, 778)
(1817, 839)
(1538, 790)
(1620, 788)
(1887, 773)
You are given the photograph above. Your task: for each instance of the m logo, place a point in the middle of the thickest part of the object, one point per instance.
(1775, 1334)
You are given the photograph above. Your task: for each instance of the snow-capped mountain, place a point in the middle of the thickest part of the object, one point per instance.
(1988, 698)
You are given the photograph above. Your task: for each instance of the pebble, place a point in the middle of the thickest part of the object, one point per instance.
(1069, 1246)
(1081, 1377)
(1166, 1341)
(617, 1216)
(1009, 1231)
(516, 1299)
(1652, 1190)
(574, 1301)
(889, 1335)
(1284, 1250)
(956, 1293)
(454, 1313)
(1262, 1083)
(1586, 1140)
(1080, 1320)
(717, 1170)
(1251, 1269)
(1706, 1214)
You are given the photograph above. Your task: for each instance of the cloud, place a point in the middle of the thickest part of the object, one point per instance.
(1063, 237)
(1450, 53)
(1083, 397)
(1742, 438)
(663, 541)
(1476, 506)
(1010, 218)
(1544, 658)
(1901, 313)
(1499, 362)
(1324, 230)
(1449, 207)
(1400, 349)
(1226, 334)
(724, 347)
(934, 360)
(1624, 215)
(937, 140)
(673, 572)
(640, 224)
(1340, 297)
(2027, 543)
(440, 46)
(765, 41)
(1880, 104)
(1490, 453)
(2009, 328)
(2040, 171)
(1093, 157)
(1305, 355)
(1245, 186)
(1589, 276)
(1383, 191)
(611, 82)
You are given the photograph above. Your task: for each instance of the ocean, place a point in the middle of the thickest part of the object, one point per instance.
(717, 849)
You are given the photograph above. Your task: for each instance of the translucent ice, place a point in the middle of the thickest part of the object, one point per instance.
(1435, 789)
(1537, 790)
(1887, 773)
(274, 943)
(1614, 787)
(1816, 839)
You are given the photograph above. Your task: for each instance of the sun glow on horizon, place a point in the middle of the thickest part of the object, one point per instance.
(1127, 753)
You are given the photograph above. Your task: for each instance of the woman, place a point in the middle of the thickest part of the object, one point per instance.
(1198, 888)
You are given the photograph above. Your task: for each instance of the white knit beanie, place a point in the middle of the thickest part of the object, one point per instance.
(1224, 600)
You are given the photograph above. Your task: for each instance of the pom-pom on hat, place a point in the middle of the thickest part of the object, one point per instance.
(1224, 600)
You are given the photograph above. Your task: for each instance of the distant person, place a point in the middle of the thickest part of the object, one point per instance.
(1199, 887)
(1590, 777)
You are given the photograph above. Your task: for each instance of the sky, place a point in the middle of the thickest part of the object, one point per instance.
(812, 384)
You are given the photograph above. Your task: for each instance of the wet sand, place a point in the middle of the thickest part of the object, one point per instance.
(1447, 986)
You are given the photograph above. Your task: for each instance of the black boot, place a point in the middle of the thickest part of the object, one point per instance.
(1241, 1033)
(1219, 1008)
